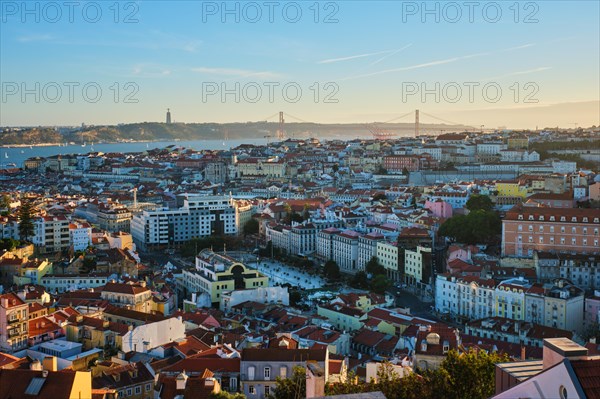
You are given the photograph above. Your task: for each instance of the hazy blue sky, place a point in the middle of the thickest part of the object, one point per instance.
(373, 57)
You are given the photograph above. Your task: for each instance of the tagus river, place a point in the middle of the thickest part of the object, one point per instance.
(15, 156)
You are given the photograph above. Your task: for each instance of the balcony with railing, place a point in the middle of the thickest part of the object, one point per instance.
(13, 332)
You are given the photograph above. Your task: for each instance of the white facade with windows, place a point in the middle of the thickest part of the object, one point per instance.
(415, 261)
(198, 216)
(367, 248)
(80, 235)
(472, 298)
(62, 283)
(345, 251)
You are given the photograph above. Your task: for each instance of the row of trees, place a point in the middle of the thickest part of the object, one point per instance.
(374, 278)
(466, 375)
(217, 243)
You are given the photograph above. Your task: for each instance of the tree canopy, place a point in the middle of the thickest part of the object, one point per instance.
(374, 268)
(251, 227)
(331, 270)
(26, 229)
(476, 227)
(465, 375)
(479, 202)
(293, 387)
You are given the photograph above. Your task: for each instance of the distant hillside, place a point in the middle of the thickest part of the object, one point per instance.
(31, 136)
(206, 131)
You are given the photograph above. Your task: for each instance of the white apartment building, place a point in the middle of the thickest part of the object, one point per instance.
(9, 228)
(471, 298)
(367, 248)
(490, 148)
(564, 167)
(345, 251)
(197, 216)
(62, 282)
(582, 269)
(387, 254)
(303, 239)
(80, 235)
(417, 263)
(325, 243)
(434, 151)
(51, 233)
(279, 236)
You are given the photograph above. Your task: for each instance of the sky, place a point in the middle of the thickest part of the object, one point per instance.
(498, 64)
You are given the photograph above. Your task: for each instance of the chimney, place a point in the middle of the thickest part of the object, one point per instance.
(181, 380)
(557, 349)
(50, 363)
(523, 354)
(35, 365)
(315, 380)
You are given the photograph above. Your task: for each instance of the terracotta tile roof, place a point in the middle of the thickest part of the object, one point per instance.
(335, 366)
(123, 376)
(56, 385)
(122, 288)
(283, 342)
(191, 346)
(41, 325)
(588, 374)
(199, 364)
(368, 338)
(5, 359)
(318, 334)
(196, 387)
(282, 355)
(10, 300)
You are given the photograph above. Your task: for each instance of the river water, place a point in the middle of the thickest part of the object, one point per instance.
(16, 156)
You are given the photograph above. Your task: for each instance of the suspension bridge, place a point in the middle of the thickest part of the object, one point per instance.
(378, 130)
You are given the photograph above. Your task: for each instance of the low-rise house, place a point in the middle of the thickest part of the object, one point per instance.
(95, 333)
(260, 367)
(225, 370)
(43, 329)
(183, 386)
(129, 295)
(344, 318)
(317, 337)
(514, 331)
(14, 314)
(135, 380)
(45, 384)
(433, 343)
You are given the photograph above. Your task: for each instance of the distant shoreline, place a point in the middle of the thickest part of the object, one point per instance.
(71, 143)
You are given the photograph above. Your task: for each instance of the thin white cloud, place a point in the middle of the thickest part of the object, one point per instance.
(519, 47)
(434, 63)
(517, 73)
(353, 57)
(34, 38)
(233, 72)
(150, 71)
(390, 54)
(418, 66)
